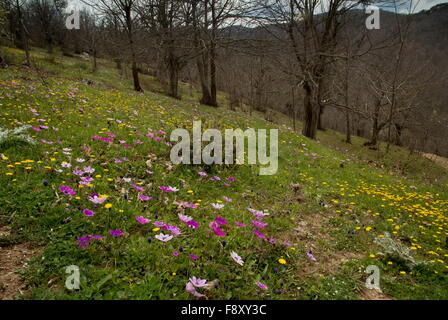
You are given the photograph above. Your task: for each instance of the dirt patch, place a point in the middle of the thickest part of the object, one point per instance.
(12, 259)
(372, 294)
(441, 161)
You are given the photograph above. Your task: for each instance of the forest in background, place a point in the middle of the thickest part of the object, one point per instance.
(326, 70)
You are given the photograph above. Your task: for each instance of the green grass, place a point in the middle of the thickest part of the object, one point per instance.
(341, 211)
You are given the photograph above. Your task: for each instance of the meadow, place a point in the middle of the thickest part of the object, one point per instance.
(96, 189)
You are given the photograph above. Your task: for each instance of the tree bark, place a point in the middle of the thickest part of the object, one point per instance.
(23, 35)
(173, 67)
(201, 61)
(135, 77)
(213, 89)
(311, 116)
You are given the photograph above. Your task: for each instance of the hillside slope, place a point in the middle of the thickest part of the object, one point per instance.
(92, 192)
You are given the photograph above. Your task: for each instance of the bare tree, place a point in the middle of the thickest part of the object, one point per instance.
(125, 13)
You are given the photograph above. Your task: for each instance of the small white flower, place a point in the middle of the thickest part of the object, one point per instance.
(89, 170)
(65, 164)
(217, 206)
(236, 258)
(163, 237)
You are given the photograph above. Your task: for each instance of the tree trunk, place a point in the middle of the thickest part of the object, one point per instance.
(398, 133)
(136, 80)
(293, 107)
(320, 126)
(348, 132)
(375, 125)
(213, 89)
(137, 86)
(23, 35)
(202, 59)
(95, 65)
(311, 116)
(173, 68)
(118, 64)
(206, 96)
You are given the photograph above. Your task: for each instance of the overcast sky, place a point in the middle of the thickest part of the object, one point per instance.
(427, 4)
(419, 5)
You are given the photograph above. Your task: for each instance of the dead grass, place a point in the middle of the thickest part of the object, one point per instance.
(441, 161)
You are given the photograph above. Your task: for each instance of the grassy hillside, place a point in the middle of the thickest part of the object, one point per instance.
(330, 205)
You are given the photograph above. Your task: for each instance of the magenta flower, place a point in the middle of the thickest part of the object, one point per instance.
(173, 229)
(139, 189)
(88, 213)
(240, 224)
(192, 256)
(144, 198)
(202, 173)
(259, 234)
(116, 233)
(220, 220)
(262, 286)
(67, 190)
(259, 224)
(168, 189)
(83, 241)
(159, 224)
(192, 224)
(219, 232)
(227, 199)
(142, 220)
(91, 236)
